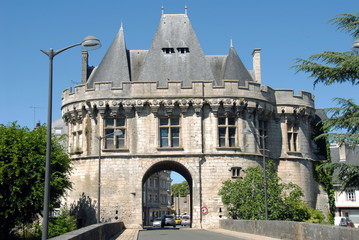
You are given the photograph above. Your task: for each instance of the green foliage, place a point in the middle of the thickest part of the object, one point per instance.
(331, 67)
(346, 174)
(343, 123)
(347, 23)
(62, 224)
(181, 189)
(334, 67)
(22, 171)
(244, 197)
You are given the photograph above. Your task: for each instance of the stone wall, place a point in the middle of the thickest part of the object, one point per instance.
(290, 230)
(103, 231)
(199, 155)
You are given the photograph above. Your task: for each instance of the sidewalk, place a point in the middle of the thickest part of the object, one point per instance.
(241, 234)
(132, 234)
(128, 234)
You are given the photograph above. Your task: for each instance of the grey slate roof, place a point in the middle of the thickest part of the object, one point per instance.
(114, 66)
(175, 54)
(235, 69)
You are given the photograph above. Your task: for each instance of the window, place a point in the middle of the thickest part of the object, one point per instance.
(263, 133)
(115, 140)
(170, 132)
(351, 195)
(168, 50)
(292, 129)
(235, 172)
(76, 138)
(227, 131)
(183, 50)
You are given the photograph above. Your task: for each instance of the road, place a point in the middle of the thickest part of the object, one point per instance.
(181, 234)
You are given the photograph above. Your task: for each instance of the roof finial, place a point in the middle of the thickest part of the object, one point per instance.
(231, 43)
(121, 28)
(185, 9)
(163, 10)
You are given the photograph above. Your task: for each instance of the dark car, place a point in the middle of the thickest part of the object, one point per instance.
(346, 222)
(169, 220)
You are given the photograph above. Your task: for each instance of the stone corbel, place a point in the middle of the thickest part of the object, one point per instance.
(155, 106)
(182, 104)
(197, 106)
(228, 107)
(169, 106)
(139, 106)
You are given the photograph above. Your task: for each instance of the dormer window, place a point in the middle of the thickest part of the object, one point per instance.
(183, 50)
(168, 50)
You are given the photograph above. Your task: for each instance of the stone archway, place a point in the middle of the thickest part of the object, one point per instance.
(172, 166)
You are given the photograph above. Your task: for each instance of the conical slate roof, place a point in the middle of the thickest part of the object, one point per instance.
(175, 54)
(234, 68)
(114, 66)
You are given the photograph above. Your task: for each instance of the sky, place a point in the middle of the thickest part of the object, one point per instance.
(284, 30)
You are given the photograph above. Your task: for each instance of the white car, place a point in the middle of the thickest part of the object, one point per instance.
(157, 222)
(186, 220)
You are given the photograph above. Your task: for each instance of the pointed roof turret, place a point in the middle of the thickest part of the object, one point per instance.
(234, 68)
(114, 66)
(175, 53)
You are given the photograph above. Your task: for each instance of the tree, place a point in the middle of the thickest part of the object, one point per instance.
(244, 197)
(22, 171)
(180, 189)
(343, 123)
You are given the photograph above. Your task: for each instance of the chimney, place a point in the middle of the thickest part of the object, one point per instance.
(85, 60)
(342, 153)
(257, 64)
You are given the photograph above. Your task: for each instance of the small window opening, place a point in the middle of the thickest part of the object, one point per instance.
(168, 50)
(236, 172)
(183, 50)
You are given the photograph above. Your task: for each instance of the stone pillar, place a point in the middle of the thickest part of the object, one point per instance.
(257, 64)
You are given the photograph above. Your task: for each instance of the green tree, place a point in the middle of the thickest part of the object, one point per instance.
(343, 123)
(244, 197)
(181, 189)
(62, 224)
(22, 171)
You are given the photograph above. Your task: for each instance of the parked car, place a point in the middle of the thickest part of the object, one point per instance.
(157, 222)
(178, 221)
(169, 220)
(186, 220)
(346, 222)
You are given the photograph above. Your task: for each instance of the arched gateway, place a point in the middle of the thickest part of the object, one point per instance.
(177, 166)
(173, 107)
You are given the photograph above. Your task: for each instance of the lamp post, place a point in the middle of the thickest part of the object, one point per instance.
(262, 137)
(115, 133)
(355, 45)
(90, 42)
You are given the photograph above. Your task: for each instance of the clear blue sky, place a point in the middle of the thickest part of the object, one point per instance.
(283, 29)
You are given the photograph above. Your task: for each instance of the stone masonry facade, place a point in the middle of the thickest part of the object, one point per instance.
(173, 108)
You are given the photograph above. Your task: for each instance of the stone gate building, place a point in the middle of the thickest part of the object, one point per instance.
(172, 107)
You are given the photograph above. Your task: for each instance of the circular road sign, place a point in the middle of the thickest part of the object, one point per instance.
(204, 210)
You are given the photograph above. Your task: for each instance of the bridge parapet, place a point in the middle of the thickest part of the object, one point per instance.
(102, 231)
(290, 230)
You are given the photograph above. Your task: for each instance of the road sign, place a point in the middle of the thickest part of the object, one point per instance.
(204, 210)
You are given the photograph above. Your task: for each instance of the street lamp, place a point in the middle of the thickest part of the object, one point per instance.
(355, 45)
(90, 42)
(115, 133)
(262, 137)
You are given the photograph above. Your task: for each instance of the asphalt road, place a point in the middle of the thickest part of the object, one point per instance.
(181, 234)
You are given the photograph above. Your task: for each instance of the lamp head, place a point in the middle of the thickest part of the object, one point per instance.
(355, 45)
(91, 43)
